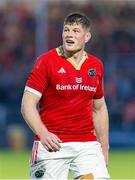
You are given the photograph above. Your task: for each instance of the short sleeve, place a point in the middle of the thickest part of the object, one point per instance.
(38, 78)
(100, 87)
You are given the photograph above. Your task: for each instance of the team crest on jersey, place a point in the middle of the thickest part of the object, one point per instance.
(40, 172)
(92, 72)
(78, 79)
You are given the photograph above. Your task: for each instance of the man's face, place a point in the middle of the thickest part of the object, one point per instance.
(74, 37)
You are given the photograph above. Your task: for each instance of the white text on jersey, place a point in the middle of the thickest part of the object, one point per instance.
(76, 87)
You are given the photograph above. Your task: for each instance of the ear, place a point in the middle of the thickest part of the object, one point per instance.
(87, 37)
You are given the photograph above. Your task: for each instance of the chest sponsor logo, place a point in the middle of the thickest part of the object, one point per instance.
(92, 72)
(61, 71)
(76, 87)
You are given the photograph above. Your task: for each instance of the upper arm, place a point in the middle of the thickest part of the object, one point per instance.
(29, 100)
(98, 104)
(100, 89)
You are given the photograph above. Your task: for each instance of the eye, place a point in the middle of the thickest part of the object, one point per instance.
(65, 30)
(76, 30)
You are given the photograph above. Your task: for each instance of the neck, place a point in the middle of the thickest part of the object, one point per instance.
(75, 56)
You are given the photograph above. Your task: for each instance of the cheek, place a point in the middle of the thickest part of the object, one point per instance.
(81, 40)
(63, 36)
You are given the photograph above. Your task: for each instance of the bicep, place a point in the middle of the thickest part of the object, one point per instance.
(98, 104)
(29, 100)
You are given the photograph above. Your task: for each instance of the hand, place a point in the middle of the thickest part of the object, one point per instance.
(51, 142)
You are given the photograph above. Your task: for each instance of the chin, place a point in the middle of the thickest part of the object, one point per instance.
(71, 49)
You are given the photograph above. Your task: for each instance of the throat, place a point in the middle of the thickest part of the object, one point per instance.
(76, 59)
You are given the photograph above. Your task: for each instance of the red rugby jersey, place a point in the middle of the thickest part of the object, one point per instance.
(67, 91)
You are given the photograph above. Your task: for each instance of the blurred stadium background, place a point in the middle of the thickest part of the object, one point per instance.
(30, 27)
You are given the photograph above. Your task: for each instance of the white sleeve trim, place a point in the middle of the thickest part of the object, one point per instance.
(32, 91)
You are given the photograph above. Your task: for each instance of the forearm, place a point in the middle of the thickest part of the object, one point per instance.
(101, 123)
(104, 136)
(32, 117)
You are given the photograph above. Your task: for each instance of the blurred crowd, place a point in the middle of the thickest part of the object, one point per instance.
(113, 40)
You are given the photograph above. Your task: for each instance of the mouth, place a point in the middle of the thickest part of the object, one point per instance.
(69, 42)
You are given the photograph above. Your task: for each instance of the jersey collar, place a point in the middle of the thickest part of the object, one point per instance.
(77, 66)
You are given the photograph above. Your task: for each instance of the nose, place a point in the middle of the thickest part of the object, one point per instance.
(70, 34)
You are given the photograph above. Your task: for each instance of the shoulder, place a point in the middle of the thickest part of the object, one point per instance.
(96, 63)
(95, 59)
(43, 61)
(47, 56)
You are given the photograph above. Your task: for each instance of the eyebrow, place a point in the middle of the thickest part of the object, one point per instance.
(68, 27)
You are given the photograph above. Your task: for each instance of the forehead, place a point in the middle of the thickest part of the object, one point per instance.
(73, 25)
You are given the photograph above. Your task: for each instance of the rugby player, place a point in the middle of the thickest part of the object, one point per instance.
(71, 123)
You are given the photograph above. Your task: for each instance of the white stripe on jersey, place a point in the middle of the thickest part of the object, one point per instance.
(34, 152)
(32, 91)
